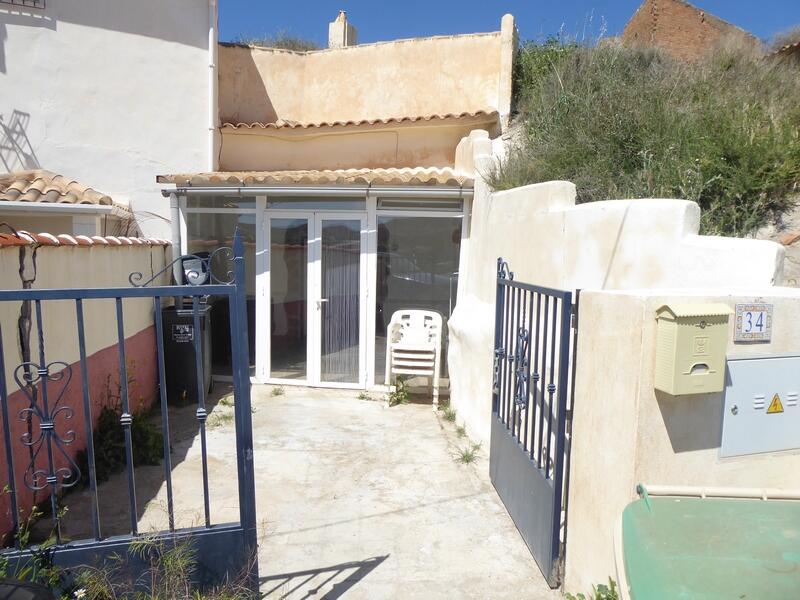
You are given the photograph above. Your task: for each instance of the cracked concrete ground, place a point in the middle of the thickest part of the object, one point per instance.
(355, 500)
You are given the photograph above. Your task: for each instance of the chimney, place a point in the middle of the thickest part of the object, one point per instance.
(341, 33)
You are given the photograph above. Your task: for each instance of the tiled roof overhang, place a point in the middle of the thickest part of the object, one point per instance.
(44, 187)
(419, 176)
(482, 116)
(26, 238)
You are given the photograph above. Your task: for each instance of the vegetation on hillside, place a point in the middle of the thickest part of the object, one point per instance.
(281, 40)
(624, 123)
(785, 38)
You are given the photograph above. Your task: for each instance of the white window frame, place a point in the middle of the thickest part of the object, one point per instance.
(369, 246)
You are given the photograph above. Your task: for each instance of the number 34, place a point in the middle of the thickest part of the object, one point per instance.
(753, 321)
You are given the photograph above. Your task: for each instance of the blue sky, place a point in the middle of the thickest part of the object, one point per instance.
(378, 20)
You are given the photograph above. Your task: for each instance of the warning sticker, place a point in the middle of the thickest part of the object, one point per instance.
(776, 406)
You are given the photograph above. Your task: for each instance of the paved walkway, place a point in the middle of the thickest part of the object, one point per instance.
(369, 502)
(355, 500)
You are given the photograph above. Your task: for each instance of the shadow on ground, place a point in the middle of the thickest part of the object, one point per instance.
(332, 581)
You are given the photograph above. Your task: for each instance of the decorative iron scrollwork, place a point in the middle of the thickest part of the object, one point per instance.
(28, 376)
(499, 354)
(522, 383)
(198, 270)
(503, 272)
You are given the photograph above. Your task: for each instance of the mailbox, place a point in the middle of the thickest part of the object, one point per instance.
(691, 344)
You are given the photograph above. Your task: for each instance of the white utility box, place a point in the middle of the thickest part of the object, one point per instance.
(761, 412)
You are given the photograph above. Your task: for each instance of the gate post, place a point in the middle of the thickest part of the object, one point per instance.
(240, 354)
(498, 354)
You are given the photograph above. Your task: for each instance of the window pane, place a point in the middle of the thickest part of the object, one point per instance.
(316, 203)
(288, 267)
(205, 233)
(233, 202)
(417, 267)
(442, 204)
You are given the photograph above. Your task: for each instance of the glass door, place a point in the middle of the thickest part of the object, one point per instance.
(317, 290)
(341, 281)
(289, 266)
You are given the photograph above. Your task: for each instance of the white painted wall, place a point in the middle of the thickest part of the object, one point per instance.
(108, 92)
(629, 257)
(625, 432)
(612, 245)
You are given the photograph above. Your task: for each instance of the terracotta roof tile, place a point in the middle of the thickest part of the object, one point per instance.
(44, 186)
(401, 176)
(26, 238)
(281, 124)
(67, 240)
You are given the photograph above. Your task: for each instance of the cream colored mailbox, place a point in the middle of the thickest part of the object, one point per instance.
(690, 352)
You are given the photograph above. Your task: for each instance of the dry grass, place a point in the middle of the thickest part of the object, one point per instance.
(623, 123)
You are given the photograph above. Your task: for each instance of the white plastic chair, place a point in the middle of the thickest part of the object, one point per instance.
(414, 346)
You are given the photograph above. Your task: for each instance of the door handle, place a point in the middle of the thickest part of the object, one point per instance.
(320, 302)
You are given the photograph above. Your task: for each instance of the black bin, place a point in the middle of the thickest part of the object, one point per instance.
(179, 357)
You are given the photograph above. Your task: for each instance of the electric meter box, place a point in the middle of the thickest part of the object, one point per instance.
(690, 348)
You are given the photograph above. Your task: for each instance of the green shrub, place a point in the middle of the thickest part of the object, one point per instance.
(281, 40)
(172, 567)
(400, 393)
(624, 123)
(599, 592)
(109, 444)
(469, 454)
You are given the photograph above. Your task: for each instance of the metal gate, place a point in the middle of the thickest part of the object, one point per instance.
(223, 550)
(533, 389)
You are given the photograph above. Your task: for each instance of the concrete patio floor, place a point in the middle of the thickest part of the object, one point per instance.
(355, 500)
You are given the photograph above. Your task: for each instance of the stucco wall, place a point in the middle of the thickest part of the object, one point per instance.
(379, 146)
(108, 92)
(624, 432)
(76, 267)
(548, 240)
(386, 79)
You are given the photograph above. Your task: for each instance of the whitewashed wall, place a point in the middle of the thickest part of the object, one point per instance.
(613, 245)
(108, 92)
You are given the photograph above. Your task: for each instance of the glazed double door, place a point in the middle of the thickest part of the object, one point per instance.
(317, 289)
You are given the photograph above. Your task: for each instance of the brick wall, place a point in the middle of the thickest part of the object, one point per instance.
(683, 30)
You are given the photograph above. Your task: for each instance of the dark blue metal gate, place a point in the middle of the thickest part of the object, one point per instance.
(224, 551)
(533, 388)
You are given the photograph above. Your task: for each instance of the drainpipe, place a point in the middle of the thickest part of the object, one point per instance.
(212, 85)
(175, 222)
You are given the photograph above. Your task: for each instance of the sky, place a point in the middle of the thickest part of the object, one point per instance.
(379, 20)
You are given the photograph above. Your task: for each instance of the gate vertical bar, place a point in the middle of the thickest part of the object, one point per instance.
(162, 388)
(542, 378)
(87, 416)
(530, 323)
(126, 419)
(201, 404)
(12, 483)
(561, 418)
(551, 386)
(535, 378)
(240, 353)
(43, 378)
(511, 356)
(498, 312)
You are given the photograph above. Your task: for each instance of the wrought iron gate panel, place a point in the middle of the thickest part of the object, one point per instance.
(532, 395)
(223, 550)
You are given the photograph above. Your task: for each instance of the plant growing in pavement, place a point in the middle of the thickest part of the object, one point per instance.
(399, 393)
